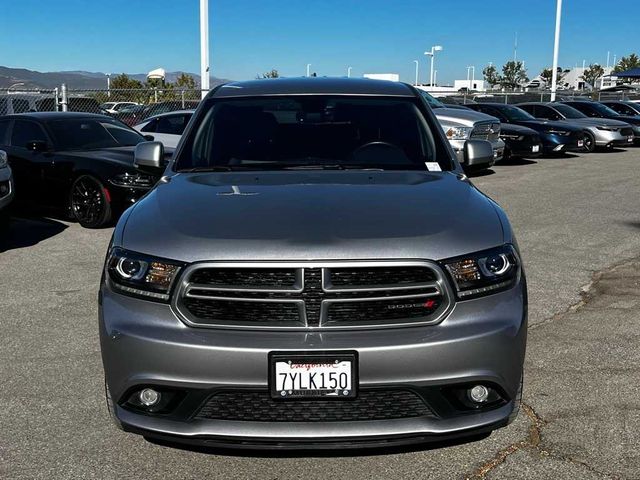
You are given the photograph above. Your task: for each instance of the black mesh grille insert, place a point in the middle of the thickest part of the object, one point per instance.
(380, 311)
(238, 312)
(374, 276)
(258, 406)
(627, 132)
(246, 277)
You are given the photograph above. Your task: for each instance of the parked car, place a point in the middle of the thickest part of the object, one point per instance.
(461, 125)
(166, 127)
(315, 271)
(598, 110)
(624, 107)
(520, 142)
(170, 106)
(556, 136)
(131, 115)
(25, 102)
(79, 162)
(599, 132)
(115, 107)
(6, 187)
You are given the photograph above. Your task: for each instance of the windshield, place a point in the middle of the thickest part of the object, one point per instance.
(89, 133)
(433, 102)
(569, 112)
(515, 114)
(310, 132)
(603, 109)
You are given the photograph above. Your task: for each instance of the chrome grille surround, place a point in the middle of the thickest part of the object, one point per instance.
(486, 131)
(313, 294)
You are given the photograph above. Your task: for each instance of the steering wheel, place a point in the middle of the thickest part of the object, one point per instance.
(379, 152)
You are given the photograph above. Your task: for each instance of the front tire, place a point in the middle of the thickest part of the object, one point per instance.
(89, 202)
(589, 142)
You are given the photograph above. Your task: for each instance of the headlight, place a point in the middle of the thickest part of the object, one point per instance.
(484, 272)
(504, 136)
(133, 180)
(607, 129)
(559, 132)
(457, 133)
(139, 275)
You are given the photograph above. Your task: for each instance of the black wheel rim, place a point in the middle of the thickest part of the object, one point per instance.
(87, 201)
(588, 142)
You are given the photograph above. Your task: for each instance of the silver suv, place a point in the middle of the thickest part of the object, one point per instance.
(314, 270)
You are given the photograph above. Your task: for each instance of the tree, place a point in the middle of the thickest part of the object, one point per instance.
(491, 75)
(123, 82)
(547, 75)
(627, 63)
(272, 74)
(513, 74)
(592, 74)
(185, 81)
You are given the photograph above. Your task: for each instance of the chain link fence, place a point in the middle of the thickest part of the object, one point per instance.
(131, 106)
(513, 97)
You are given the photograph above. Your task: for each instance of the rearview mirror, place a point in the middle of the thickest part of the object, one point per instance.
(37, 146)
(478, 152)
(149, 155)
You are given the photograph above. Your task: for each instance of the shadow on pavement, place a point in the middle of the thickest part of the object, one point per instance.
(517, 161)
(338, 451)
(28, 231)
(480, 173)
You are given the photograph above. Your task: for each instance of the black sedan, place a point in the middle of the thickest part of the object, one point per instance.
(520, 142)
(599, 110)
(79, 162)
(556, 137)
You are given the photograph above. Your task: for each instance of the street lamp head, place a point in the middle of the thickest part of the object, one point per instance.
(437, 48)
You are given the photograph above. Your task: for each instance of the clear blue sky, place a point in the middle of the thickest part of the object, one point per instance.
(251, 36)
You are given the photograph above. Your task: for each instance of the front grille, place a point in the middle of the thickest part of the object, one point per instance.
(302, 297)
(486, 131)
(627, 131)
(258, 406)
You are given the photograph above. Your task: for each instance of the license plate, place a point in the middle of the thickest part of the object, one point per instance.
(630, 139)
(580, 143)
(304, 375)
(535, 148)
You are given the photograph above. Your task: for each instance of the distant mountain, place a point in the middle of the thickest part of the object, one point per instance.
(79, 80)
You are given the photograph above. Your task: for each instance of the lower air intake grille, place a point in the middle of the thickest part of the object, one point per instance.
(254, 406)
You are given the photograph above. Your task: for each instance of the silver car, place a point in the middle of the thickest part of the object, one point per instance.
(314, 270)
(599, 132)
(167, 127)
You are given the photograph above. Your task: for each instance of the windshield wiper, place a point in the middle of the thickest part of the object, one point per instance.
(332, 167)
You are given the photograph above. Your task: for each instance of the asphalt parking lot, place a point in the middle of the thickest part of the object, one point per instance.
(578, 224)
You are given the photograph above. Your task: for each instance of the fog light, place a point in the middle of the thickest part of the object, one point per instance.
(149, 397)
(479, 393)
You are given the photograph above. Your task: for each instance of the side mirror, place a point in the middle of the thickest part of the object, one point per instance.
(149, 156)
(149, 138)
(37, 146)
(478, 152)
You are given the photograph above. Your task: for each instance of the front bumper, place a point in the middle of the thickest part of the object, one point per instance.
(144, 343)
(605, 138)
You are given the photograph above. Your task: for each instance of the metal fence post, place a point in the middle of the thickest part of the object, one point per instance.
(182, 96)
(64, 98)
(56, 99)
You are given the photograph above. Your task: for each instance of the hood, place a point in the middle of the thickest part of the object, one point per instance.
(543, 125)
(464, 118)
(513, 129)
(118, 155)
(596, 122)
(631, 119)
(312, 216)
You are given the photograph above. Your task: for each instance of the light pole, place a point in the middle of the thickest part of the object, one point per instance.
(556, 50)
(108, 84)
(348, 72)
(417, 70)
(308, 69)
(204, 47)
(471, 68)
(435, 77)
(432, 54)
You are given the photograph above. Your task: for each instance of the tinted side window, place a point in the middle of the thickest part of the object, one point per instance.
(25, 132)
(532, 109)
(546, 112)
(151, 126)
(622, 109)
(173, 124)
(20, 105)
(4, 129)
